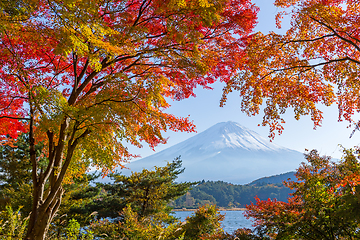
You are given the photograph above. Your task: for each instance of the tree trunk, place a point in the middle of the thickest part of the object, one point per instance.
(47, 189)
(41, 218)
(47, 182)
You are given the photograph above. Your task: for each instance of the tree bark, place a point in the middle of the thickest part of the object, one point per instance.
(41, 218)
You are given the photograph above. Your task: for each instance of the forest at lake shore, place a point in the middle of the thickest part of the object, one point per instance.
(227, 195)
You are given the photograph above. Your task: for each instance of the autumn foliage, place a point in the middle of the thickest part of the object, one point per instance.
(325, 204)
(108, 69)
(83, 77)
(315, 62)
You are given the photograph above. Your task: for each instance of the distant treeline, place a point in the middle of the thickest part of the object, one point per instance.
(228, 195)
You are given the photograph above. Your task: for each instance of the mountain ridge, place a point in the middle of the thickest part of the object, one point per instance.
(274, 179)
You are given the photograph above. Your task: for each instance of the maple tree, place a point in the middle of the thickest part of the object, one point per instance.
(83, 77)
(315, 62)
(325, 204)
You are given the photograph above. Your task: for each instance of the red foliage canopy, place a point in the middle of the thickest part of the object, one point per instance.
(315, 62)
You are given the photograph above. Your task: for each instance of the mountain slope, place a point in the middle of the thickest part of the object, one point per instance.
(275, 179)
(228, 152)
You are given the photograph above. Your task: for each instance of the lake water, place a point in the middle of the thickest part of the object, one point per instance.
(233, 219)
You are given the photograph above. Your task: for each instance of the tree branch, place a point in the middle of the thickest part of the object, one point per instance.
(336, 33)
(16, 118)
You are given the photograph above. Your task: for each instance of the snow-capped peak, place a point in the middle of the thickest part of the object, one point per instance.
(231, 135)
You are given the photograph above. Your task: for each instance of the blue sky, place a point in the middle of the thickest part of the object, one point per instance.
(299, 135)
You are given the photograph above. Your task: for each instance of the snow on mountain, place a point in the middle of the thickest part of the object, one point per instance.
(226, 151)
(229, 135)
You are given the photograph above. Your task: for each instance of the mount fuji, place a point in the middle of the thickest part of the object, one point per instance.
(226, 151)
